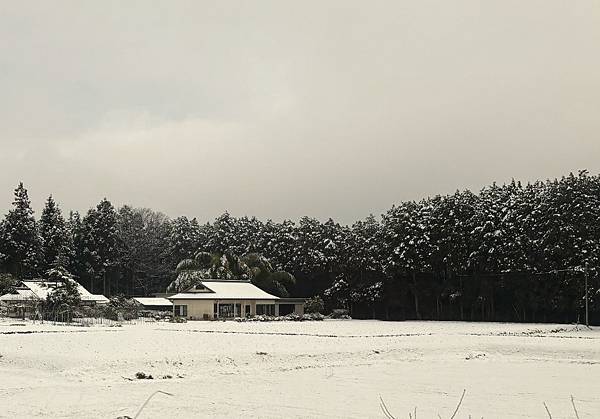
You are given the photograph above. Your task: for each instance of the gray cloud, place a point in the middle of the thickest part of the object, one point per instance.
(282, 109)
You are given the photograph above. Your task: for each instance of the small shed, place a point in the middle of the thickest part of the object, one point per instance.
(154, 303)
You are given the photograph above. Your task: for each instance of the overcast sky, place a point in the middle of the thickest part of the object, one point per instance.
(281, 109)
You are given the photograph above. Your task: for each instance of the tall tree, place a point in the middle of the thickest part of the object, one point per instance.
(144, 235)
(184, 240)
(101, 247)
(20, 241)
(56, 241)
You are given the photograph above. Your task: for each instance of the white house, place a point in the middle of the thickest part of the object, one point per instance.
(217, 299)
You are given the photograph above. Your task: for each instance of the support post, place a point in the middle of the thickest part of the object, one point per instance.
(587, 307)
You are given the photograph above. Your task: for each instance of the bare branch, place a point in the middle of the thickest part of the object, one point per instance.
(384, 409)
(548, 411)
(459, 403)
(574, 408)
(148, 399)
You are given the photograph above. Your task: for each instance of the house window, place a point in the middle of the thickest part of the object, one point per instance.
(247, 310)
(226, 310)
(181, 311)
(265, 309)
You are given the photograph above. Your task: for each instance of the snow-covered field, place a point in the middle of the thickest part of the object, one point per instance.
(299, 370)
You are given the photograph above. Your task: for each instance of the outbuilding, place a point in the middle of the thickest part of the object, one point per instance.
(154, 304)
(27, 298)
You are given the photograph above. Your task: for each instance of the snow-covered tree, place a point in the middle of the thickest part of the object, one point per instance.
(66, 293)
(144, 245)
(20, 241)
(57, 246)
(100, 247)
(184, 239)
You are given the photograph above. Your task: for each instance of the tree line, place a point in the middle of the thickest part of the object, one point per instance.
(510, 252)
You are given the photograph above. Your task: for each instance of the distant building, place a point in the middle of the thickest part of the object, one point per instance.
(155, 304)
(29, 296)
(222, 299)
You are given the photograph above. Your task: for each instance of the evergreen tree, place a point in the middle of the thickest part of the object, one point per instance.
(20, 241)
(56, 241)
(184, 240)
(100, 246)
(144, 236)
(65, 296)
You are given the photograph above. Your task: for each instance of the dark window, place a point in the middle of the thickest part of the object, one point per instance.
(226, 310)
(285, 309)
(181, 311)
(265, 309)
(247, 310)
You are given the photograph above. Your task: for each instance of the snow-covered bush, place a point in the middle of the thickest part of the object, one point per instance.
(314, 305)
(66, 295)
(289, 317)
(339, 313)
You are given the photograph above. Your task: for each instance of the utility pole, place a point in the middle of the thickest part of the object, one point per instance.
(587, 308)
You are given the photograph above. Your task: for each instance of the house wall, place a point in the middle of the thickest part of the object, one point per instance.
(19, 309)
(197, 309)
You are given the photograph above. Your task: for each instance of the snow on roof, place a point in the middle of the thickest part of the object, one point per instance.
(226, 290)
(153, 301)
(99, 298)
(41, 289)
(21, 295)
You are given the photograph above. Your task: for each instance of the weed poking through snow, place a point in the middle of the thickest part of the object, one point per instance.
(413, 415)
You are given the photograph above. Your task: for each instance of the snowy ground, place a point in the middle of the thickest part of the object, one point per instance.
(299, 370)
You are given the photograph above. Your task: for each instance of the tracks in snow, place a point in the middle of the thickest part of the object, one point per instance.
(317, 335)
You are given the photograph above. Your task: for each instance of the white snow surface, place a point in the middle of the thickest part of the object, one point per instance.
(329, 369)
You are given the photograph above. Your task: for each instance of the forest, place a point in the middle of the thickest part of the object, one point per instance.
(512, 252)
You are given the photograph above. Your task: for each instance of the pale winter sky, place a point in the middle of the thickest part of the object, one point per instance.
(281, 109)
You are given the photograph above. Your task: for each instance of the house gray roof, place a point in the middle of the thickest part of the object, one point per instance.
(39, 290)
(153, 301)
(21, 295)
(224, 290)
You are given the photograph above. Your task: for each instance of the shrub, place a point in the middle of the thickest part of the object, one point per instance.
(65, 298)
(339, 313)
(314, 305)
(7, 283)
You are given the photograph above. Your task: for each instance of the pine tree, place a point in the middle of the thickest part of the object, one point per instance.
(20, 239)
(100, 247)
(184, 240)
(144, 235)
(279, 241)
(56, 242)
(76, 232)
